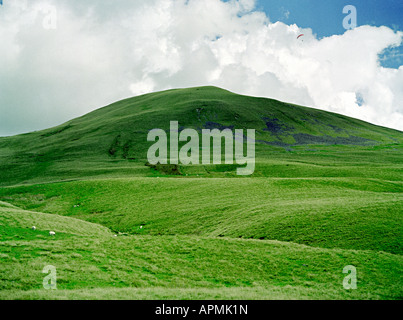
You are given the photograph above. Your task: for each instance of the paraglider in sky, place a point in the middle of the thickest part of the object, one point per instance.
(301, 38)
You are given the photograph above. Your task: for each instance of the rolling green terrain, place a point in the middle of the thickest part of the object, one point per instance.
(326, 193)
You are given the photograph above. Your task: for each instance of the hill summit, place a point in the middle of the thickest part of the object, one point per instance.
(115, 137)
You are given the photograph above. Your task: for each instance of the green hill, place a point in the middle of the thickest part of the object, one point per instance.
(93, 264)
(320, 212)
(326, 193)
(113, 140)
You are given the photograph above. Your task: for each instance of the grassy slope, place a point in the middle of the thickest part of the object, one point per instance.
(15, 224)
(321, 212)
(323, 180)
(173, 267)
(113, 140)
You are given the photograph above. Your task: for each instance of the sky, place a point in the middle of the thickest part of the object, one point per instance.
(324, 17)
(61, 59)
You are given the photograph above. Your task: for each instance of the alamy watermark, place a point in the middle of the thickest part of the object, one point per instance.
(190, 152)
(49, 12)
(50, 281)
(350, 281)
(50, 20)
(350, 21)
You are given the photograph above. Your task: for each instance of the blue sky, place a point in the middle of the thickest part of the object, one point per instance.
(325, 18)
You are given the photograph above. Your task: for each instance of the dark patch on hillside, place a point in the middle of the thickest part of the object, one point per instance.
(166, 169)
(34, 157)
(303, 138)
(113, 149)
(336, 129)
(275, 126)
(199, 113)
(207, 110)
(307, 139)
(126, 149)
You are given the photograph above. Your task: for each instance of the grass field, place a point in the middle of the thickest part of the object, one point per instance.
(91, 263)
(327, 192)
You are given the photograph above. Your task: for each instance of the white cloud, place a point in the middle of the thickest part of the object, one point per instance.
(103, 52)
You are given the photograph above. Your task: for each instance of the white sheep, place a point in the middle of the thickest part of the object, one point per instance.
(33, 228)
(52, 233)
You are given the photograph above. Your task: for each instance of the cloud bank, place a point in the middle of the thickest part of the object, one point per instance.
(64, 58)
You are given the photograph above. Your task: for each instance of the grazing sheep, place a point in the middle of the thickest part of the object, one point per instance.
(141, 227)
(33, 228)
(52, 233)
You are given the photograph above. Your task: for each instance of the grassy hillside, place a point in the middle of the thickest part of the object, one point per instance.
(93, 264)
(16, 224)
(327, 192)
(113, 140)
(321, 212)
